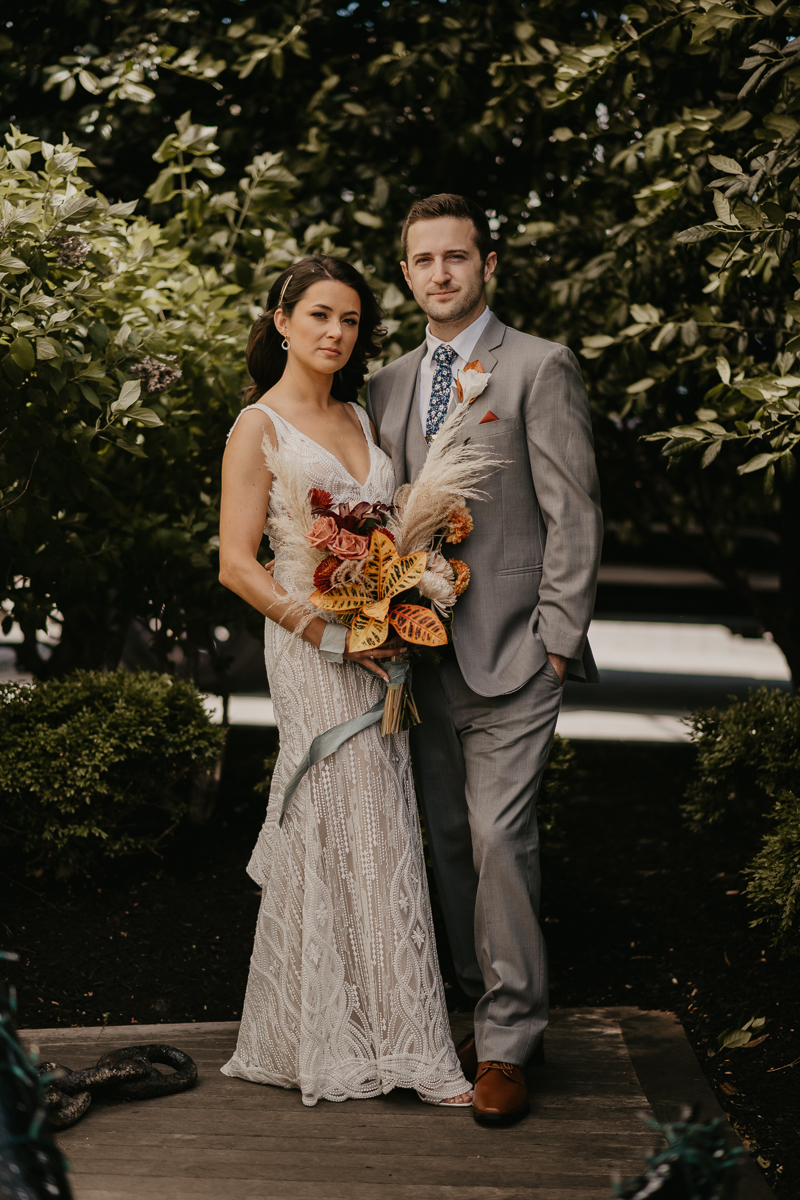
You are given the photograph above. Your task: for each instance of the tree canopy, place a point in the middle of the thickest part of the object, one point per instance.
(640, 172)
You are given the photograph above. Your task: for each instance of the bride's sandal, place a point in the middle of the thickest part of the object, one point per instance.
(462, 1101)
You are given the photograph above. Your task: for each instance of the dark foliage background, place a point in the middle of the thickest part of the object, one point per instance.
(588, 137)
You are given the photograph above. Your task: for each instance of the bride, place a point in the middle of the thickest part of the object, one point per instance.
(344, 998)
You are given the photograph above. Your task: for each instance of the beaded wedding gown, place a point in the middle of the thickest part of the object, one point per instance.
(344, 998)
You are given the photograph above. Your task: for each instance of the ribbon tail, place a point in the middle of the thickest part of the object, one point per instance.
(330, 741)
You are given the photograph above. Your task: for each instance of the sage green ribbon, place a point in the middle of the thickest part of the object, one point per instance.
(326, 743)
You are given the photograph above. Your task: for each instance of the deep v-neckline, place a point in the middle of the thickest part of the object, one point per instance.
(330, 453)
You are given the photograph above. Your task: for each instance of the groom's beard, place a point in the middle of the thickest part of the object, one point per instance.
(466, 298)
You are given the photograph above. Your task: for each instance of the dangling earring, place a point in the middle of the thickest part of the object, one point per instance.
(284, 344)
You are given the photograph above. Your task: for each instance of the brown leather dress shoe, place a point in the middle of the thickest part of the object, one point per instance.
(468, 1057)
(501, 1094)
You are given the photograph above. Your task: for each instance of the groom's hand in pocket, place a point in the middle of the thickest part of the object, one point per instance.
(371, 659)
(559, 665)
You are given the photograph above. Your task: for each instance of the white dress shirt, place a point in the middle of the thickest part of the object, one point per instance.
(463, 343)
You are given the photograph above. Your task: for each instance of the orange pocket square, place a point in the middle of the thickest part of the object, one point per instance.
(489, 417)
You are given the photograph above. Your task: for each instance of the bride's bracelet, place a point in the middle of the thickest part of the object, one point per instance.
(334, 643)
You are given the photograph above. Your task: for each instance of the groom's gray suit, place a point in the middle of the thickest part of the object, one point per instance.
(489, 710)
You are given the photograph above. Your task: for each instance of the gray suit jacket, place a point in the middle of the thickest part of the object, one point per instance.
(535, 548)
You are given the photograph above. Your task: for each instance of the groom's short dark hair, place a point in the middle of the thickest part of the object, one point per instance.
(446, 204)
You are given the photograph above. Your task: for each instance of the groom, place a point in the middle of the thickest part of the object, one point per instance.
(490, 708)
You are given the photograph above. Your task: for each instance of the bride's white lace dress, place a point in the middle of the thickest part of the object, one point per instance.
(344, 997)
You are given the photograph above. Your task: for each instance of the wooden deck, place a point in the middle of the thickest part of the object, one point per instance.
(231, 1139)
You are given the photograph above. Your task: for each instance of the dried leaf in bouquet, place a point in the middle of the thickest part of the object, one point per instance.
(417, 625)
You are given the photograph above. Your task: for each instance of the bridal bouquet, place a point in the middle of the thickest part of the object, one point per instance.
(376, 567)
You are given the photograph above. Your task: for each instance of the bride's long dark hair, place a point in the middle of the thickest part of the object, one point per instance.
(266, 360)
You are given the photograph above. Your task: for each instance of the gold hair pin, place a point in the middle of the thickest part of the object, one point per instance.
(283, 289)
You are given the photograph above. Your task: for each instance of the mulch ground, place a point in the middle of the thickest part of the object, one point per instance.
(638, 912)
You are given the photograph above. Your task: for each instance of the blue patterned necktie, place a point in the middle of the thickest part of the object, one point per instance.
(440, 391)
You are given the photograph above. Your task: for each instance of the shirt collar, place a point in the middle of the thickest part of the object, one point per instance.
(463, 343)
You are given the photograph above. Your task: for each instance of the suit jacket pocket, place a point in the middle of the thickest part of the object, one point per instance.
(492, 428)
(535, 570)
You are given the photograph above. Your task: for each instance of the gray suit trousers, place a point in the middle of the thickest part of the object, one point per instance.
(480, 761)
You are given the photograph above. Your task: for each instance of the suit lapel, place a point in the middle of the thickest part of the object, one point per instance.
(490, 339)
(399, 410)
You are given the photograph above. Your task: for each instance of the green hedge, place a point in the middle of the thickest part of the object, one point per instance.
(746, 756)
(774, 887)
(98, 765)
(746, 787)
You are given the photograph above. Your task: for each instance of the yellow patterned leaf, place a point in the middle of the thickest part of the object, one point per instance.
(418, 625)
(366, 633)
(381, 555)
(347, 618)
(379, 609)
(404, 573)
(341, 599)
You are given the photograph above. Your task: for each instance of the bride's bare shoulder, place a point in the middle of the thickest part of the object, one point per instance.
(249, 429)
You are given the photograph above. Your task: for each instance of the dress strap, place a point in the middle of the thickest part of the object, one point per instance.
(361, 413)
(264, 408)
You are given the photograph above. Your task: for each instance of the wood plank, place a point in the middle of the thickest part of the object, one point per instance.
(111, 1189)
(346, 1165)
(225, 1137)
(286, 1129)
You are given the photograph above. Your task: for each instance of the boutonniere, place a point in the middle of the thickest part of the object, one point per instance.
(471, 382)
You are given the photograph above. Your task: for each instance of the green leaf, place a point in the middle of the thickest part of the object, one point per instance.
(392, 298)
(737, 121)
(21, 159)
(697, 233)
(89, 394)
(724, 369)
(598, 341)
(723, 209)
(371, 220)
(721, 163)
(710, 453)
(99, 333)
(782, 123)
(774, 212)
(47, 348)
(75, 207)
(9, 262)
(788, 461)
(733, 1038)
(146, 416)
(647, 314)
(757, 463)
(128, 395)
(23, 353)
(641, 385)
(161, 190)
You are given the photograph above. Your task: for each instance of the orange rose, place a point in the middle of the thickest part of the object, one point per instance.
(349, 545)
(321, 532)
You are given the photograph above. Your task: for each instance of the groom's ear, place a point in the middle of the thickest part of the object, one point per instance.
(406, 276)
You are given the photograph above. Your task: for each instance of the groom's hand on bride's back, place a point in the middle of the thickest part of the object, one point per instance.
(371, 658)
